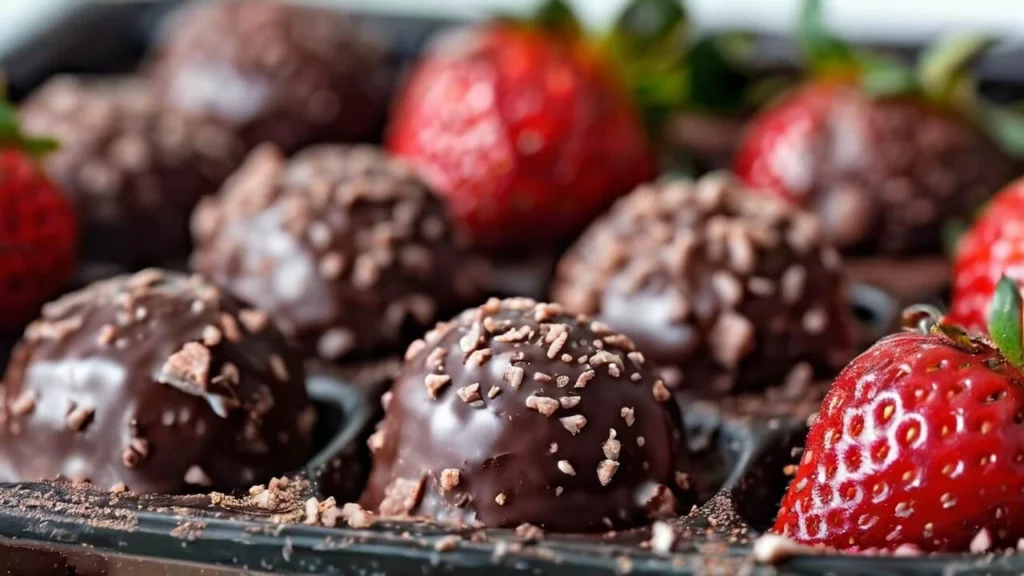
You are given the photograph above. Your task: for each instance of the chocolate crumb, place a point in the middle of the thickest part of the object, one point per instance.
(212, 335)
(402, 497)
(188, 368)
(606, 470)
(581, 381)
(514, 376)
(449, 479)
(662, 538)
(611, 446)
(529, 532)
(660, 391)
(278, 367)
(24, 404)
(469, 393)
(435, 382)
(569, 401)
(627, 415)
(566, 467)
(79, 418)
(230, 327)
(196, 475)
(573, 423)
(542, 404)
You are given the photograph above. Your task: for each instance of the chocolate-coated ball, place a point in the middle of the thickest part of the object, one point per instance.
(159, 382)
(276, 71)
(133, 169)
(728, 290)
(516, 412)
(351, 252)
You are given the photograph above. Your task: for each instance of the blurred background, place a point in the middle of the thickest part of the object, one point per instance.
(871, 20)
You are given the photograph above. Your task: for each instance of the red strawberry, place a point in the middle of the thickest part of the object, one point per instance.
(526, 131)
(920, 441)
(884, 154)
(38, 230)
(993, 246)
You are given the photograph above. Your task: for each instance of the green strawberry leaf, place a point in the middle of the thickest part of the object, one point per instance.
(649, 44)
(1005, 124)
(653, 29)
(943, 67)
(716, 82)
(823, 51)
(883, 76)
(1004, 321)
(557, 16)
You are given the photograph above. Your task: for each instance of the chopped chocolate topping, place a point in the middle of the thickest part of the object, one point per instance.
(315, 243)
(132, 168)
(728, 288)
(468, 447)
(178, 399)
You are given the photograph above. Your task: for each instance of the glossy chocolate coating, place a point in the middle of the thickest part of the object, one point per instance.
(349, 251)
(277, 72)
(727, 290)
(133, 169)
(159, 381)
(515, 413)
(886, 174)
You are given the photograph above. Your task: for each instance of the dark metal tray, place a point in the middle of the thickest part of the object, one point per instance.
(51, 528)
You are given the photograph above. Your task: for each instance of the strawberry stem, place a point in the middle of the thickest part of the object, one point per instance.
(1004, 321)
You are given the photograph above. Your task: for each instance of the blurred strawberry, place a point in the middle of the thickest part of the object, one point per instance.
(992, 247)
(919, 442)
(525, 129)
(38, 229)
(885, 154)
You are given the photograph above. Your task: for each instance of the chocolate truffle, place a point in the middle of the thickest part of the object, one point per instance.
(516, 412)
(157, 381)
(277, 72)
(133, 170)
(349, 251)
(726, 289)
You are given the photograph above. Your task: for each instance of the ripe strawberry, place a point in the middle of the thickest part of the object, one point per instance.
(38, 231)
(920, 441)
(526, 131)
(993, 246)
(884, 154)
